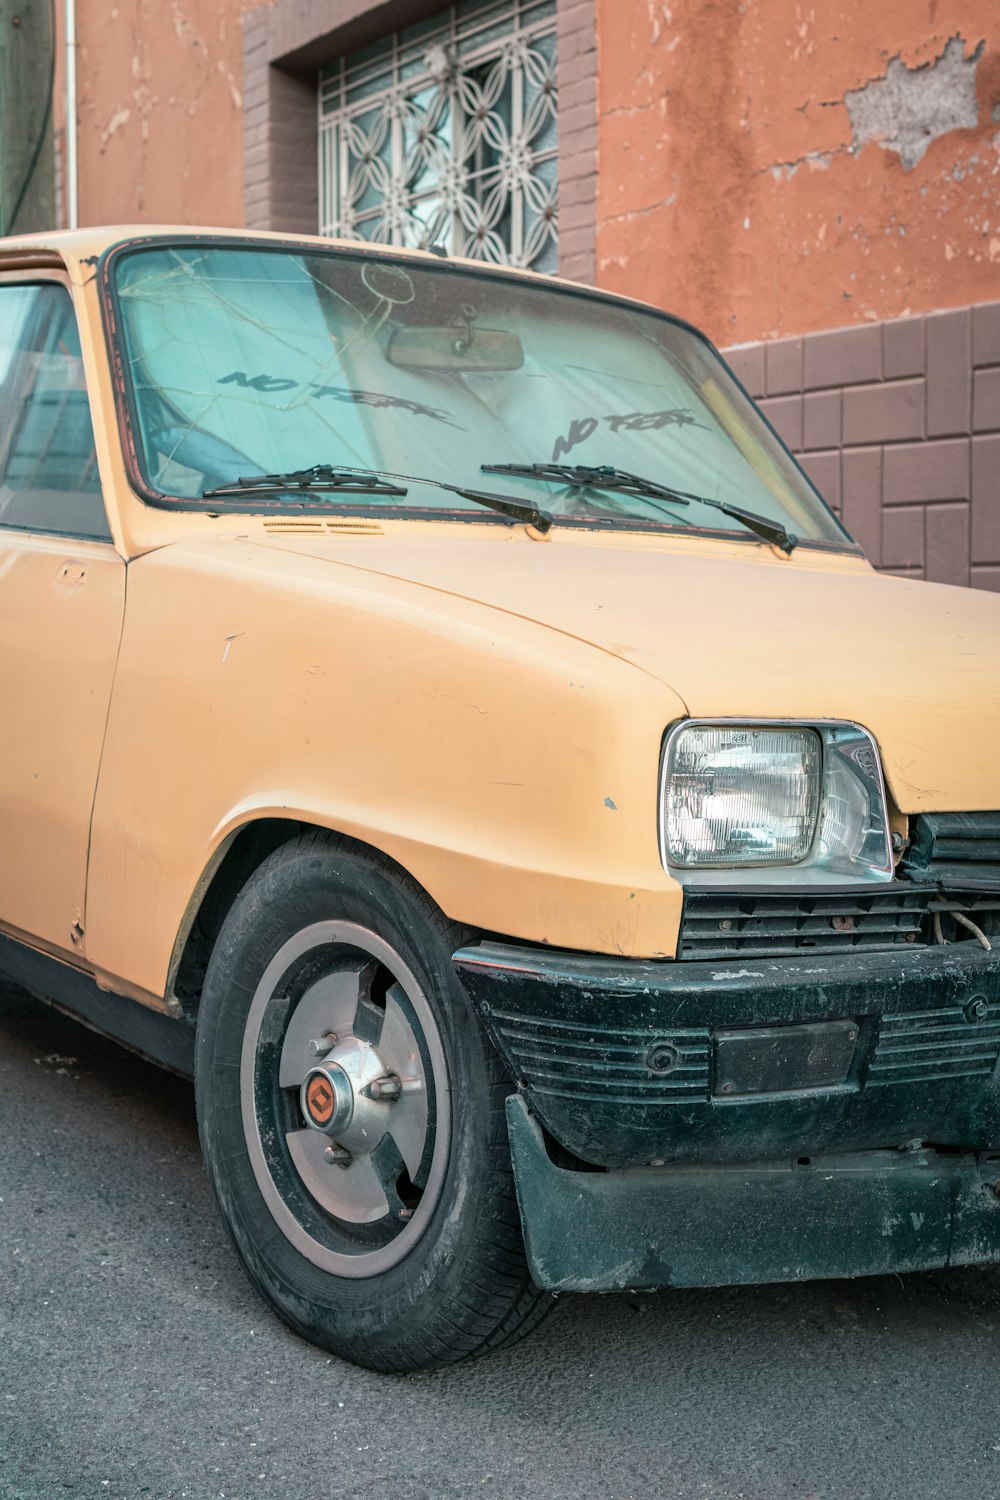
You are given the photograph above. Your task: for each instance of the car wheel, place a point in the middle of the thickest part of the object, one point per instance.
(351, 1114)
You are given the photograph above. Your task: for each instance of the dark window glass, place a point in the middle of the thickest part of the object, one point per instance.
(48, 466)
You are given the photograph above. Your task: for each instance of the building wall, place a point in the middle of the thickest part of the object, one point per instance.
(204, 111)
(763, 167)
(160, 111)
(771, 167)
(818, 184)
(898, 423)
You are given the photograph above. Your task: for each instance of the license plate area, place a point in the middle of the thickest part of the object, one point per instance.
(784, 1059)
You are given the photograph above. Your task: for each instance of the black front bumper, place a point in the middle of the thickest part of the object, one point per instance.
(847, 1214)
(631, 1063)
(696, 1123)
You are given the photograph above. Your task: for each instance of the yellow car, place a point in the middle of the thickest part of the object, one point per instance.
(443, 719)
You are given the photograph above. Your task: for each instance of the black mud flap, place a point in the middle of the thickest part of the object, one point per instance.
(859, 1214)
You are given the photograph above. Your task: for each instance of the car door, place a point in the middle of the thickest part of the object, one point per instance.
(62, 597)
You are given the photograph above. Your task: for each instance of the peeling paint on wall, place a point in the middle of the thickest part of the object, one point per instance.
(911, 107)
(771, 169)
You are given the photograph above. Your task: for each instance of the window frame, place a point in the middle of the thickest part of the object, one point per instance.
(286, 43)
(46, 274)
(161, 500)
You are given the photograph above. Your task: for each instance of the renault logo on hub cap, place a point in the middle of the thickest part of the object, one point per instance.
(320, 1100)
(327, 1098)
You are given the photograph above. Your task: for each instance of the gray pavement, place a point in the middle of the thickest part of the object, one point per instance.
(135, 1360)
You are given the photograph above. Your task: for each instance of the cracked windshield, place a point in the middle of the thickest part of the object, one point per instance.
(264, 379)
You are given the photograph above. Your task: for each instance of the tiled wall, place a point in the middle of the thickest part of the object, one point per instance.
(898, 424)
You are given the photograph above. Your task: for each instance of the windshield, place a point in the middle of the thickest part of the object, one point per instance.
(249, 361)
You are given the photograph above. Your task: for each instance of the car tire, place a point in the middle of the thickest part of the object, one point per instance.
(393, 1240)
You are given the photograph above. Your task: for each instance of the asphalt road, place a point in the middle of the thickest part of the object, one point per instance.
(136, 1361)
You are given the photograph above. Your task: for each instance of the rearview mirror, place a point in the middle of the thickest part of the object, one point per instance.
(460, 349)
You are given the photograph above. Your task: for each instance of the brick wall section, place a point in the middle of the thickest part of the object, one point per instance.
(286, 43)
(284, 46)
(898, 424)
(280, 189)
(576, 53)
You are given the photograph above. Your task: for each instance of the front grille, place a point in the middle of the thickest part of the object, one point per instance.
(932, 1044)
(951, 864)
(606, 1064)
(954, 849)
(726, 924)
(733, 924)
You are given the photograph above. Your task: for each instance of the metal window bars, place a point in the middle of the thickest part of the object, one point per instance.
(446, 133)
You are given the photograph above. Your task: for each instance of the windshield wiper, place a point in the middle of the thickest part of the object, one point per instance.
(621, 482)
(326, 479)
(506, 504)
(321, 478)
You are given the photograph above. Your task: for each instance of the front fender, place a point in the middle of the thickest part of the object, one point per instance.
(509, 768)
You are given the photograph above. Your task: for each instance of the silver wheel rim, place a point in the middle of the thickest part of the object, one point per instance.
(313, 1017)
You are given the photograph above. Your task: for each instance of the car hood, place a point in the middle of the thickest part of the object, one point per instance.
(736, 631)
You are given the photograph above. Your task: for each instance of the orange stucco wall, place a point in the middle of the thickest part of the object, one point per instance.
(736, 184)
(735, 187)
(160, 108)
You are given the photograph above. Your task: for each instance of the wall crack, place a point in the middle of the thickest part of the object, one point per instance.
(817, 161)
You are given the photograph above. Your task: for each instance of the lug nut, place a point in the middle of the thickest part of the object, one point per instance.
(337, 1156)
(388, 1087)
(324, 1044)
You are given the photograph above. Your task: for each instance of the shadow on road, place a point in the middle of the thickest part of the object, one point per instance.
(119, 1278)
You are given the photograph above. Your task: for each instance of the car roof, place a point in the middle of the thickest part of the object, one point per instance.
(85, 244)
(80, 249)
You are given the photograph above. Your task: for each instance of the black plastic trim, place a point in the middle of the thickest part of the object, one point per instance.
(863, 1214)
(151, 1033)
(953, 849)
(619, 1059)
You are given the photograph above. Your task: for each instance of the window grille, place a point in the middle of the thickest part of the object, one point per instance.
(445, 133)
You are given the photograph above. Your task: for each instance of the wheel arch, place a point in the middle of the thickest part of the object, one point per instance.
(239, 854)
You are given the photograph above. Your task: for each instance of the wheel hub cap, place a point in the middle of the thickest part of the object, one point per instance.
(327, 1099)
(345, 1100)
(340, 1096)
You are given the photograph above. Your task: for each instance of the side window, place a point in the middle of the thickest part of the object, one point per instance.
(48, 466)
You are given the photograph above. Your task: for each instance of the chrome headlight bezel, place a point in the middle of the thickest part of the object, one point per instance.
(851, 786)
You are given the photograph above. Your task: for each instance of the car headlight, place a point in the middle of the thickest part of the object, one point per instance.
(782, 803)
